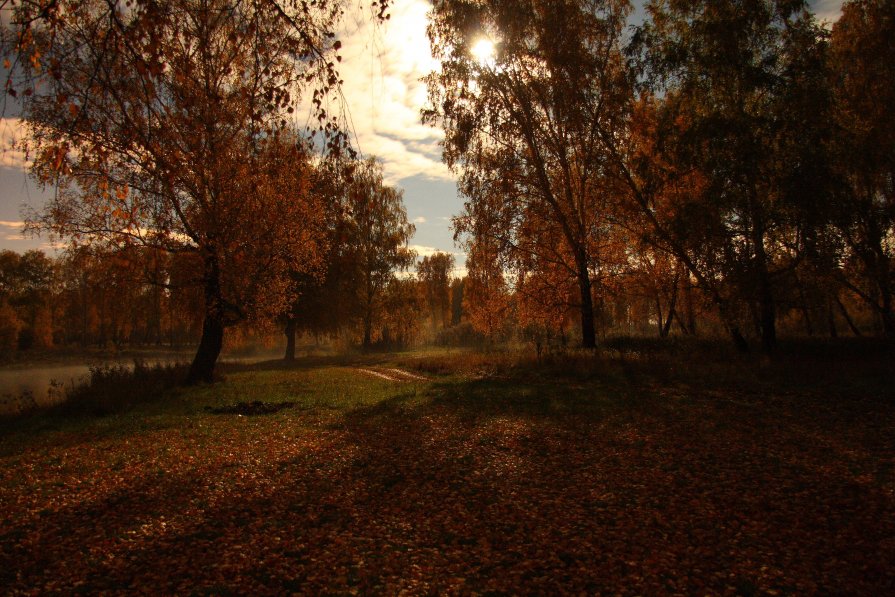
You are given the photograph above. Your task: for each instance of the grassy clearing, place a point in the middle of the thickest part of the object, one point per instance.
(635, 473)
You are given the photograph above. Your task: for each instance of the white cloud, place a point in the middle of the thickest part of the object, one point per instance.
(426, 251)
(827, 11)
(420, 220)
(12, 131)
(13, 231)
(382, 66)
(423, 251)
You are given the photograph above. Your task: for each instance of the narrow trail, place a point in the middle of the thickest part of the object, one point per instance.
(392, 374)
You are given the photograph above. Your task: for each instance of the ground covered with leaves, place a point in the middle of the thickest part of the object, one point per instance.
(610, 478)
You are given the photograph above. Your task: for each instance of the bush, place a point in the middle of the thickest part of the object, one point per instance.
(460, 335)
(114, 389)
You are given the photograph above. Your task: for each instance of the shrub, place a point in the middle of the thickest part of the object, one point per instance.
(117, 388)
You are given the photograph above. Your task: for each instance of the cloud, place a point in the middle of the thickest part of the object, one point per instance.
(426, 251)
(12, 131)
(827, 11)
(420, 220)
(382, 65)
(13, 231)
(423, 251)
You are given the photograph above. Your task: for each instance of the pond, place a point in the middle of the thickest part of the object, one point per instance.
(23, 386)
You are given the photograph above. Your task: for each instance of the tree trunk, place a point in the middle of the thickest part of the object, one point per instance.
(368, 320)
(588, 331)
(768, 319)
(660, 319)
(738, 340)
(767, 312)
(851, 324)
(202, 369)
(290, 339)
(689, 308)
(886, 314)
(732, 327)
(368, 333)
(831, 320)
(665, 328)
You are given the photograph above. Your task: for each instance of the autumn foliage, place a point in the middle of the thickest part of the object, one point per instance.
(593, 477)
(716, 147)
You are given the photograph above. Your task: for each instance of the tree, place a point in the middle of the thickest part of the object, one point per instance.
(403, 311)
(524, 126)
(28, 286)
(378, 233)
(862, 72)
(733, 79)
(458, 288)
(487, 294)
(165, 127)
(434, 272)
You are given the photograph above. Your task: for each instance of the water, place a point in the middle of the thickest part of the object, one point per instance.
(24, 387)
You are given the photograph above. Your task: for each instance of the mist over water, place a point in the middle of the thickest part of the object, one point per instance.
(21, 389)
(25, 387)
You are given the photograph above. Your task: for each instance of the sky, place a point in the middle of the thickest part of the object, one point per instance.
(382, 67)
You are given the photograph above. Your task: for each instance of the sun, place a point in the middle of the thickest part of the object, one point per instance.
(483, 52)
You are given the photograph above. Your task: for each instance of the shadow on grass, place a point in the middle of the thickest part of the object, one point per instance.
(563, 478)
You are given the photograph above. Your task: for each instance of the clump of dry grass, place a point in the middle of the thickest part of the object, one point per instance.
(117, 388)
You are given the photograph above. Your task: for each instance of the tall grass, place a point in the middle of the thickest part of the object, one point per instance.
(113, 389)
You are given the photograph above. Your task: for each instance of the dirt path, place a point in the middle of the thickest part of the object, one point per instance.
(392, 374)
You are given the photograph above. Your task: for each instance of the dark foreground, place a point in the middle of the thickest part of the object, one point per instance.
(631, 476)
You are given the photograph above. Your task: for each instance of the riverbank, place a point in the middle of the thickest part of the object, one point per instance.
(46, 377)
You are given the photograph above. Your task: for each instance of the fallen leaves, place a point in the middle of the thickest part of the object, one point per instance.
(656, 497)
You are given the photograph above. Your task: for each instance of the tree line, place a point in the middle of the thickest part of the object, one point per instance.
(723, 164)
(733, 149)
(368, 290)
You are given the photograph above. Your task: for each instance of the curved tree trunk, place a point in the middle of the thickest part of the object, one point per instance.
(202, 368)
(733, 329)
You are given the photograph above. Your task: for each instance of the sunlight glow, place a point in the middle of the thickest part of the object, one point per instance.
(483, 52)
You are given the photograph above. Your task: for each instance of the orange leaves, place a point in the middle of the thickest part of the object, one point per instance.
(538, 486)
(54, 156)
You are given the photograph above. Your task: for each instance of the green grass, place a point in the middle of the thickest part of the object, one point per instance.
(630, 471)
